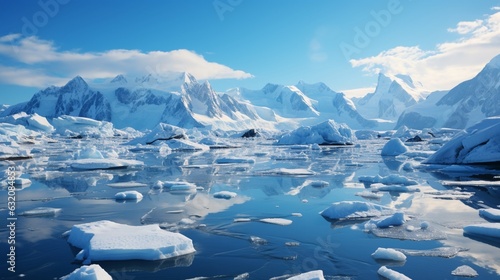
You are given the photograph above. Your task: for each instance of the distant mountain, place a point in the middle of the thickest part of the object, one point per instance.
(392, 96)
(466, 104)
(178, 100)
(306, 103)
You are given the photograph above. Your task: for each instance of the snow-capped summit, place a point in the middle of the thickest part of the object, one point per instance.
(393, 94)
(76, 85)
(466, 104)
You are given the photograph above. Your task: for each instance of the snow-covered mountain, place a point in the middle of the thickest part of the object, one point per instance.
(466, 104)
(306, 103)
(392, 96)
(179, 100)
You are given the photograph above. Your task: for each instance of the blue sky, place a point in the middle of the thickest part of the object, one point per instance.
(245, 43)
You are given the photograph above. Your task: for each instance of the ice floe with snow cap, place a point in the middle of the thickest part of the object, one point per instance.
(353, 210)
(107, 241)
(91, 159)
(173, 137)
(77, 127)
(325, 133)
(88, 272)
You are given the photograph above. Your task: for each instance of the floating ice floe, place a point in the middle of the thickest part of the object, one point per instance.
(41, 211)
(490, 214)
(129, 195)
(169, 136)
(489, 230)
(124, 185)
(225, 195)
(325, 133)
(106, 241)
(392, 179)
(442, 252)
(71, 126)
(370, 194)
(391, 274)
(287, 171)
(394, 147)
(396, 219)
(474, 183)
(32, 122)
(464, 271)
(105, 163)
(450, 194)
(277, 221)
(479, 143)
(88, 272)
(176, 187)
(388, 254)
(355, 210)
(234, 160)
(311, 275)
(411, 230)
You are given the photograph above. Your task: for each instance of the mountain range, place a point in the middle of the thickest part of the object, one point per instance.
(181, 100)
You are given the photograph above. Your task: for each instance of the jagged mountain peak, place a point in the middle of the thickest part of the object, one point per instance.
(77, 84)
(119, 79)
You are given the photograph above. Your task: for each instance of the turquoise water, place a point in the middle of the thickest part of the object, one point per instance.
(249, 250)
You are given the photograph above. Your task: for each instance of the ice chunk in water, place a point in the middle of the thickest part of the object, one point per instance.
(415, 232)
(277, 221)
(42, 211)
(391, 274)
(442, 252)
(129, 195)
(485, 230)
(311, 275)
(106, 240)
(464, 271)
(225, 195)
(355, 210)
(389, 254)
(88, 272)
(490, 214)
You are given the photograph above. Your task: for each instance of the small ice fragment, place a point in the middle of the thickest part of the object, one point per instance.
(411, 228)
(292, 244)
(311, 275)
(242, 276)
(464, 271)
(242, 220)
(355, 210)
(41, 211)
(257, 240)
(88, 272)
(127, 185)
(277, 221)
(388, 254)
(486, 229)
(391, 274)
(305, 201)
(225, 195)
(297, 214)
(397, 219)
(186, 221)
(129, 195)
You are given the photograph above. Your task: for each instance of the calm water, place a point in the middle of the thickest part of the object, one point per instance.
(226, 249)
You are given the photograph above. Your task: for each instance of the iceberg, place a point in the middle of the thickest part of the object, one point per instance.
(325, 133)
(394, 147)
(355, 210)
(88, 272)
(479, 144)
(107, 240)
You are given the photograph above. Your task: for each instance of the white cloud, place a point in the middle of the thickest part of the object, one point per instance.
(465, 27)
(449, 63)
(497, 8)
(53, 65)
